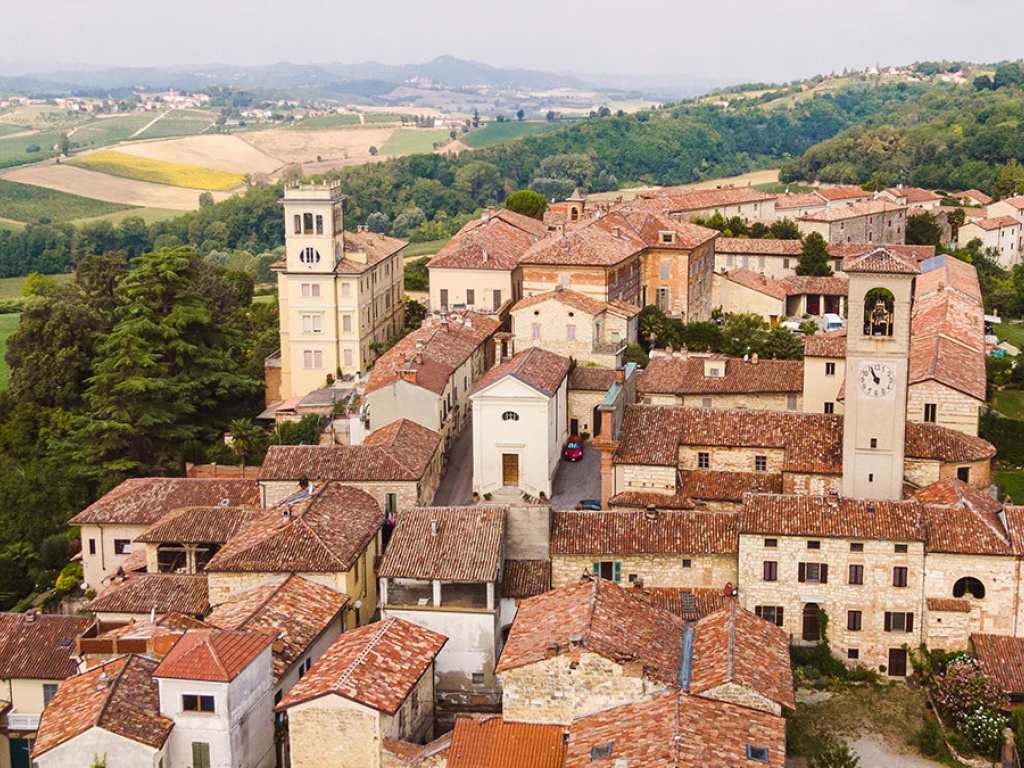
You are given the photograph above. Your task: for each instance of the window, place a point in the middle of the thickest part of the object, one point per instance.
(856, 546)
(853, 621)
(853, 653)
(346, 289)
(687, 562)
(478, 678)
(811, 629)
(664, 299)
(814, 544)
(896, 621)
(346, 323)
(496, 299)
(92, 546)
(346, 355)
(771, 570)
(307, 223)
(312, 359)
(770, 613)
(191, 702)
(760, 463)
(969, 586)
(309, 255)
(49, 691)
(311, 290)
(470, 297)
(665, 271)
(298, 224)
(705, 402)
(856, 574)
(510, 416)
(899, 576)
(200, 754)
(931, 412)
(608, 569)
(830, 369)
(444, 298)
(785, 263)
(563, 280)
(601, 751)
(703, 459)
(304, 666)
(312, 323)
(830, 407)
(535, 334)
(963, 474)
(874, 442)
(570, 333)
(319, 224)
(900, 549)
(755, 752)
(771, 542)
(812, 573)
(791, 402)
(122, 546)
(616, 337)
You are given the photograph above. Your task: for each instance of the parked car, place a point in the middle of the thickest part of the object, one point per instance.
(574, 449)
(592, 505)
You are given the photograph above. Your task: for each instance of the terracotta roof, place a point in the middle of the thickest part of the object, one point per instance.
(377, 665)
(690, 603)
(823, 286)
(829, 344)
(526, 578)
(911, 253)
(292, 608)
(447, 543)
(490, 742)
(914, 194)
(992, 223)
(373, 246)
(677, 200)
(40, 648)
(193, 525)
(976, 194)
(595, 244)
(537, 367)
(831, 517)
(382, 456)
(718, 485)
(882, 260)
(591, 378)
(325, 531)
(162, 592)
(214, 655)
(945, 272)
(169, 623)
(650, 225)
(930, 441)
(948, 605)
(801, 200)
(943, 360)
(128, 705)
(1015, 526)
(645, 499)
(755, 281)
(857, 210)
(758, 246)
(143, 501)
(579, 301)
(1003, 657)
(842, 193)
(674, 729)
(963, 520)
(609, 622)
(665, 532)
(734, 646)
(415, 754)
(671, 375)
(504, 237)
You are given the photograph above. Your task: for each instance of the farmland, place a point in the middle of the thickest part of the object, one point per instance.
(27, 203)
(13, 287)
(411, 141)
(107, 130)
(179, 122)
(325, 122)
(493, 134)
(158, 172)
(14, 150)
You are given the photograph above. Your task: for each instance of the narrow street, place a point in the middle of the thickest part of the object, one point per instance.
(456, 486)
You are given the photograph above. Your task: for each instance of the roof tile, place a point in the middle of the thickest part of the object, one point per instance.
(212, 654)
(447, 543)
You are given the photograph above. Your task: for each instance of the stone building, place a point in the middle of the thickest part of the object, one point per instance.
(689, 204)
(1000, 234)
(742, 290)
(775, 259)
(876, 221)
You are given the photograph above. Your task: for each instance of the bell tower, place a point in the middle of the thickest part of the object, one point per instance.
(314, 227)
(881, 290)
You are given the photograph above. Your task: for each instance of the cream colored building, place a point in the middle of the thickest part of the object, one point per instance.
(824, 372)
(879, 222)
(741, 290)
(1000, 235)
(339, 292)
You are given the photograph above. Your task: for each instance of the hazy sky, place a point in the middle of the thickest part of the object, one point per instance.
(731, 40)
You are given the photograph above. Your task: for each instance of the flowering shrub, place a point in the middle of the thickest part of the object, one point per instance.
(983, 728)
(964, 687)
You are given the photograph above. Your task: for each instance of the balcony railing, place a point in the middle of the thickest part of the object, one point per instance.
(22, 721)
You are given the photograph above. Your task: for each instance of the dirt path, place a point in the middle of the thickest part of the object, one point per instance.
(876, 753)
(148, 125)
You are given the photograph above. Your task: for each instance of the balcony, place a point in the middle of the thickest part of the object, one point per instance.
(22, 721)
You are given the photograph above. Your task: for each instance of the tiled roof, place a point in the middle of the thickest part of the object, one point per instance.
(407, 753)
(169, 623)
(690, 603)
(537, 367)
(912, 253)
(490, 742)
(677, 730)
(914, 194)
(755, 281)
(381, 457)
(857, 210)
(526, 578)
(943, 360)
(758, 245)
(193, 525)
(976, 194)
(143, 501)
(829, 344)
(40, 648)
(930, 441)
(842, 193)
(882, 260)
(831, 517)
(591, 378)
(596, 244)
(1003, 657)
(212, 654)
(1015, 526)
(650, 225)
(447, 543)
(717, 485)
(292, 608)
(578, 301)
(120, 697)
(663, 532)
(677, 200)
(609, 622)
(963, 520)
(993, 223)
(645, 499)
(377, 665)
(493, 242)
(945, 272)
(733, 645)
(948, 605)
(793, 201)
(671, 375)
(162, 592)
(325, 532)
(375, 247)
(822, 286)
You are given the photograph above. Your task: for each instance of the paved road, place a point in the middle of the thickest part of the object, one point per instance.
(577, 480)
(456, 486)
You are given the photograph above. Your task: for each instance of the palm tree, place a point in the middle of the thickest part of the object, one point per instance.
(247, 438)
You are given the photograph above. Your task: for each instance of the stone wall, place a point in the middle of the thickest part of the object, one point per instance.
(996, 612)
(643, 477)
(527, 532)
(655, 570)
(802, 484)
(325, 731)
(731, 459)
(408, 492)
(581, 407)
(947, 630)
(769, 401)
(737, 694)
(954, 409)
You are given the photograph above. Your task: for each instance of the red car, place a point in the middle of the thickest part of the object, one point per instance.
(574, 449)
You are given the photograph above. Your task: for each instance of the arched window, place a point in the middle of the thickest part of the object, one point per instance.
(307, 223)
(970, 587)
(878, 312)
(510, 416)
(298, 224)
(811, 627)
(309, 256)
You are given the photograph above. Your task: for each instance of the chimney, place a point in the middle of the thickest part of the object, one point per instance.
(651, 513)
(620, 375)
(552, 650)
(615, 230)
(575, 641)
(486, 256)
(754, 358)
(31, 616)
(433, 527)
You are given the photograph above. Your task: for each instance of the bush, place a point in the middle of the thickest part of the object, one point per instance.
(835, 754)
(983, 729)
(54, 552)
(930, 739)
(965, 687)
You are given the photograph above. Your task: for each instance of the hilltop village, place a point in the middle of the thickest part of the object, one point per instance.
(510, 540)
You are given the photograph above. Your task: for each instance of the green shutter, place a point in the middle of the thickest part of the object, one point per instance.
(597, 569)
(200, 754)
(618, 572)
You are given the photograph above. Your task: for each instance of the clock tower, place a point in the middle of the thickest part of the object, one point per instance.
(881, 289)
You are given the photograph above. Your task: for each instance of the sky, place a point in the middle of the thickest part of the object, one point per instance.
(727, 41)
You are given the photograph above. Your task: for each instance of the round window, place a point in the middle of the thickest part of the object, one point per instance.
(309, 255)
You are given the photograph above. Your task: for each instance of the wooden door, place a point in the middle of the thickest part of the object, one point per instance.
(897, 662)
(510, 469)
(811, 633)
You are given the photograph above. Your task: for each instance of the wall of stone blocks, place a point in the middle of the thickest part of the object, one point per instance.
(996, 612)
(713, 571)
(954, 410)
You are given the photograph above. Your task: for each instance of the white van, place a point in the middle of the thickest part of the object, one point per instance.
(832, 322)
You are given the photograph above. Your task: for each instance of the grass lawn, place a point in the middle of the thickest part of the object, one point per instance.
(14, 151)
(1011, 333)
(7, 325)
(493, 134)
(779, 187)
(1012, 483)
(1009, 402)
(148, 215)
(11, 287)
(7, 129)
(10, 225)
(429, 248)
(157, 171)
(26, 202)
(413, 141)
(325, 122)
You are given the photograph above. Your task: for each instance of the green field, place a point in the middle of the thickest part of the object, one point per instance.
(1011, 333)
(157, 171)
(12, 287)
(1009, 402)
(1012, 483)
(493, 134)
(148, 215)
(778, 188)
(429, 248)
(381, 117)
(179, 122)
(6, 129)
(15, 151)
(110, 130)
(7, 325)
(25, 202)
(413, 141)
(325, 122)
(10, 225)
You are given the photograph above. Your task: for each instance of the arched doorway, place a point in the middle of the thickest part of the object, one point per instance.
(811, 629)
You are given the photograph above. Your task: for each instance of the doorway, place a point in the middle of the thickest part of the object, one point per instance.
(811, 631)
(897, 662)
(510, 469)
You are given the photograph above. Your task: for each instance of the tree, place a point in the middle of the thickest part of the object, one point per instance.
(983, 83)
(923, 229)
(634, 353)
(378, 222)
(476, 118)
(303, 432)
(528, 203)
(835, 754)
(743, 334)
(480, 180)
(520, 115)
(782, 344)
(955, 219)
(814, 257)
(40, 285)
(407, 220)
(416, 276)
(292, 172)
(1007, 74)
(784, 229)
(551, 116)
(1010, 181)
(205, 199)
(248, 439)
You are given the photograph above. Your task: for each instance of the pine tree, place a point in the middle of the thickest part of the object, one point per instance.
(814, 257)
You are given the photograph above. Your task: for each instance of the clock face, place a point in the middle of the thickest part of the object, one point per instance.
(876, 379)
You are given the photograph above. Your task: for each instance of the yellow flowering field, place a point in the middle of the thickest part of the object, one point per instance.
(156, 171)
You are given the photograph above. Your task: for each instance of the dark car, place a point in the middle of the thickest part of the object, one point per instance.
(574, 449)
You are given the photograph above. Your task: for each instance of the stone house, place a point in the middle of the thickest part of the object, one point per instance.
(479, 268)
(717, 381)
(399, 465)
(775, 259)
(588, 388)
(862, 562)
(824, 372)
(110, 524)
(329, 534)
(520, 422)
(974, 197)
(574, 325)
(374, 684)
(708, 490)
(184, 541)
(689, 204)
(1002, 234)
(443, 571)
(844, 194)
(815, 296)
(793, 205)
(1002, 656)
(427, 376)
(879, 222)
(742, 290)
(915, 198)
(1009, 206)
